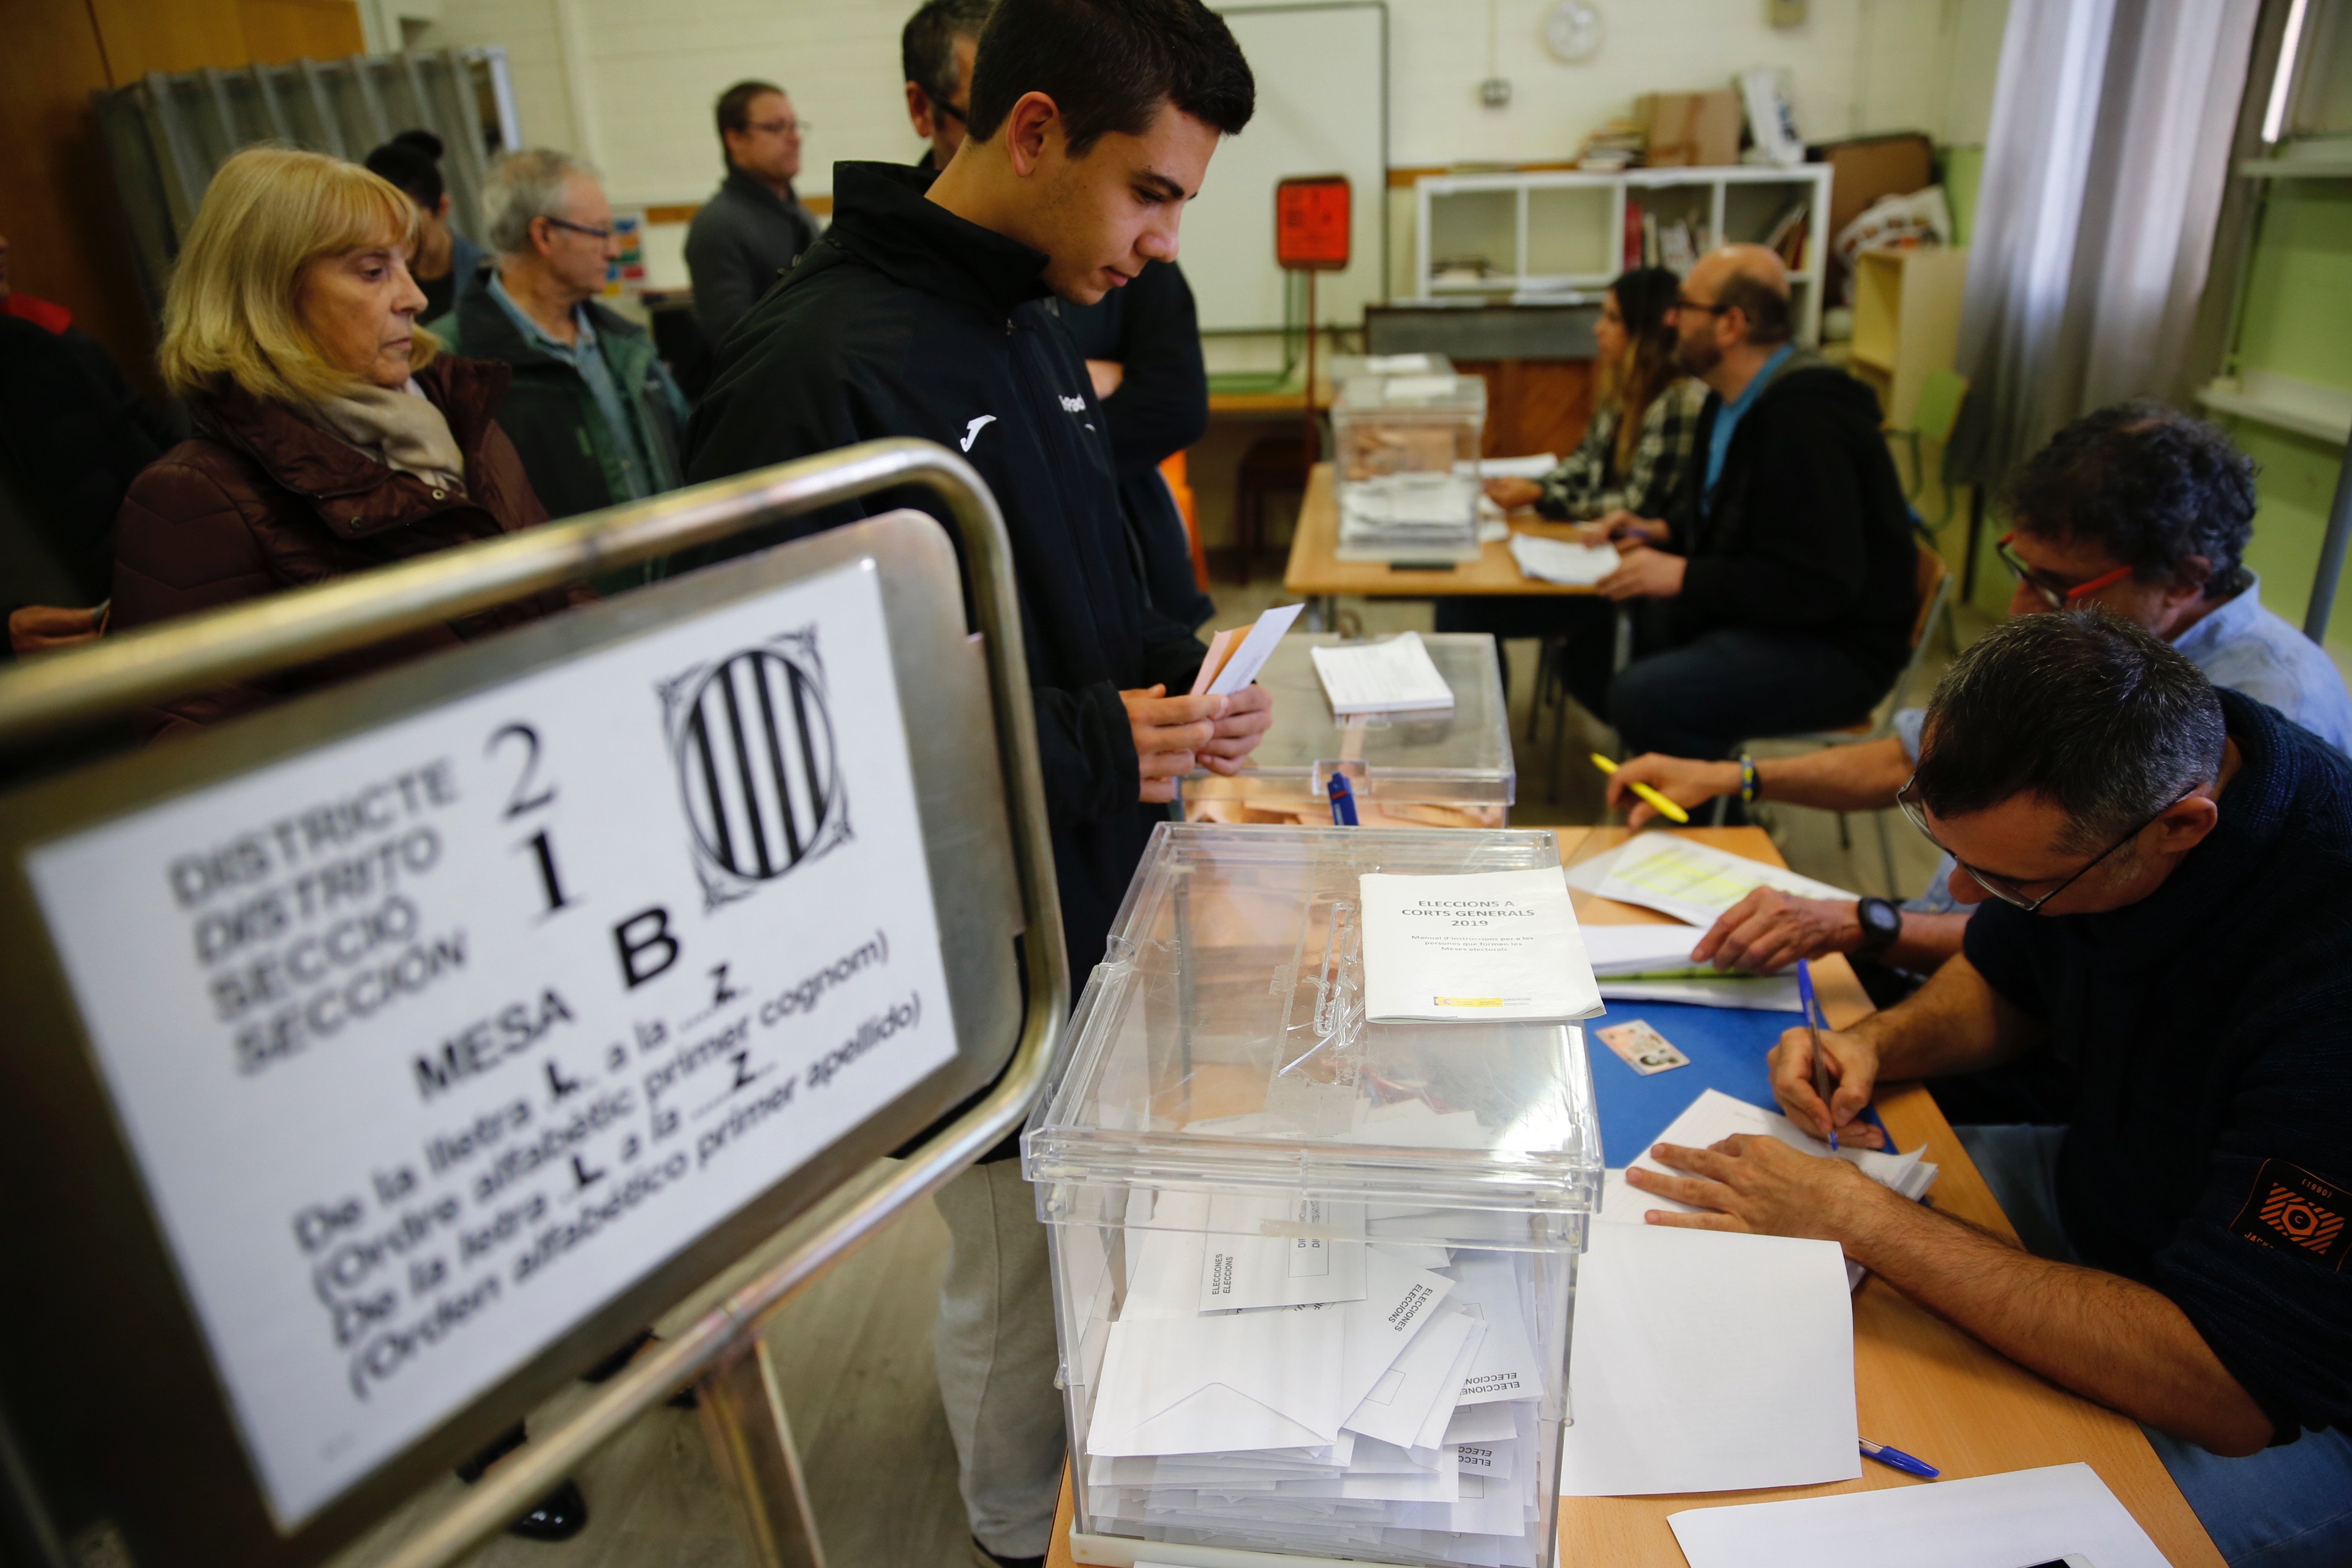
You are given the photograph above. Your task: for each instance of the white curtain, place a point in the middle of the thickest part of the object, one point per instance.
(2110, 146)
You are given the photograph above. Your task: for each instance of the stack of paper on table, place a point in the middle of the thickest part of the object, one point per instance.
(1704, 1361)
(1558, 560)
(2022, 1517)
(1652, 962)
(1276, 1367)
(1393, 676)
(1692, 881)
(1429, 510)
(1715, 1116)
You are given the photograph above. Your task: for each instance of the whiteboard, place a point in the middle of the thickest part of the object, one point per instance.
(1322, 109)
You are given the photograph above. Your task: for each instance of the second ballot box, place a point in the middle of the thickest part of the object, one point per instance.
(1448, 769)
(1313, 1277)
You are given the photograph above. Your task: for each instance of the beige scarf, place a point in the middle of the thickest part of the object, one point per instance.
(399, 428)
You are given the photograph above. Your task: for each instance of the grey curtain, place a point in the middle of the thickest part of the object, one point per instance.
(2109, 152)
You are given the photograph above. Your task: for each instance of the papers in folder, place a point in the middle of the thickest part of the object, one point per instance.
(1693, 882)
(1385, 1394)
(1558, 560)
(1396, 676)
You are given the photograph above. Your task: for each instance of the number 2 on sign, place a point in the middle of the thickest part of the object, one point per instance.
(524, 801)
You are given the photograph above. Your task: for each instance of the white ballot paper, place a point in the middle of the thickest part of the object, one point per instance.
(1647, 949)
(1505, 1367)
(1232, 665)
(1421, 1384)
(1708, 1361)
(1396, 676)
(2024, 1516)
(1488, 947)
(1201, 1386)
(1559, 560)
(1693, 882)
(1653, 963)
(1281, 1252)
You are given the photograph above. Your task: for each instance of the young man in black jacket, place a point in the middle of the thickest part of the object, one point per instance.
(924, 311)
(1782, 593)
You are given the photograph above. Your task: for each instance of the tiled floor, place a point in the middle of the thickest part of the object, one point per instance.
(855, 1349)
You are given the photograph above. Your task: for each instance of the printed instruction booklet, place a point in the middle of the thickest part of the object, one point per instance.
(1488, 947)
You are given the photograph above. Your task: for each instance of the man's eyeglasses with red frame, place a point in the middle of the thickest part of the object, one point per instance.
(2055, 591)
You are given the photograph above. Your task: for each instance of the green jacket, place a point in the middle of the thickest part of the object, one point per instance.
(552, 417)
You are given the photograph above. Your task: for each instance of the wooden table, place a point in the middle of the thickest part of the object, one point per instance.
(1919, 1383)
(1281, 402)
(1316, 572)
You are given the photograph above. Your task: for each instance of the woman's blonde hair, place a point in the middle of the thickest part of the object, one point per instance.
(229, 312)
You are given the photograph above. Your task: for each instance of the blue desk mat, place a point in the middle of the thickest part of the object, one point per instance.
(1728, 1047)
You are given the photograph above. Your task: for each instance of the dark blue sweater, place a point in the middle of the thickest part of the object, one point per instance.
(2211, 1026)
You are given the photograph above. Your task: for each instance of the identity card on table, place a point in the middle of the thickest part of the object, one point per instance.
(1487, 947)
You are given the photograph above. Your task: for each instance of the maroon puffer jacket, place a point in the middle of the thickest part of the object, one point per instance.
(262, 500)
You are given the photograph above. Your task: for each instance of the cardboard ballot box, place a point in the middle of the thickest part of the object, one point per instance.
(1448, 769)
(1313, 1277)
(1406, 452)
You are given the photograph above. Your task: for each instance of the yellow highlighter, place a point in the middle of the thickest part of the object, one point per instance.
(1664, 806)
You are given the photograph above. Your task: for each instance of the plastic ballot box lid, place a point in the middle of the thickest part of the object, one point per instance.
(1221, 1044)
(1394, 762)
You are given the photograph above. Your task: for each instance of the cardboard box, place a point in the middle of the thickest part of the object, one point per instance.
(1690, 129)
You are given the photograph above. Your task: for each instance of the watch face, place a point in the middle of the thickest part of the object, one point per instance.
(1881, 918)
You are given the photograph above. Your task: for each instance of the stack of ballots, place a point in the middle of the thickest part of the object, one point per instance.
(1275, 1363)
(1314, 1261)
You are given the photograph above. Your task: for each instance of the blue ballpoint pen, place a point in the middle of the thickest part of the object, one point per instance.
(1343, 802)
(1895, 1458)
(1820, 1063)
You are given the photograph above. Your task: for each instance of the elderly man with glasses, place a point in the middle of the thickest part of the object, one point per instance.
(596, 417)
(755, 226)
(2137, 509)
(2164, 870)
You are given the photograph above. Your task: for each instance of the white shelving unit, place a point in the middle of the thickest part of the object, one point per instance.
(1563, 233)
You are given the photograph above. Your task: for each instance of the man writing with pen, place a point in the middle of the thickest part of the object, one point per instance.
(2163, 872)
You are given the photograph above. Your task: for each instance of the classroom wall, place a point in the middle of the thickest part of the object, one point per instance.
(648, 75)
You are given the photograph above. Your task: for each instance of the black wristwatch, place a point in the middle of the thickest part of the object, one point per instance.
(1882, 922)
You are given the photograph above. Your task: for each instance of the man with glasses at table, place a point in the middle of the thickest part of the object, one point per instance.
(596, 417)
(2138, 509)
(2163, 871)
(755, 226)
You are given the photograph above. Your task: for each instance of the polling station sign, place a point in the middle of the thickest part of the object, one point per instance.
(430, 1041)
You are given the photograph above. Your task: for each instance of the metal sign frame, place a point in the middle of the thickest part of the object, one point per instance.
(747, 1265)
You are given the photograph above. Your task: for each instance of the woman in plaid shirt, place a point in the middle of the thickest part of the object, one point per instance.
(1637, 454)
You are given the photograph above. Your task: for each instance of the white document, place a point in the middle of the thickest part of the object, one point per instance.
(1250, 658)
(1693, 882)
(1396, 676)
(1399, 1299)
(1423, 1379)
(1281, 1252)
(1431, 1436)
(1647, 949)
(1487, 947)
(1706, 1361)
(1763, 993)
(2022, 1517)
(1561, 561)
(1480, 1424)
(1534, 465)
(1505, 1366)
(1201, 1385)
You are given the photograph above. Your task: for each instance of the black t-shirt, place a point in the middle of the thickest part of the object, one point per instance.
(2211, 1029)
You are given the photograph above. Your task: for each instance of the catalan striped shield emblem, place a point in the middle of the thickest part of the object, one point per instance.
(753, 743)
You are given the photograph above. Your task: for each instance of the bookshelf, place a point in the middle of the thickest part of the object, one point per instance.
(1558, 236)
(1906, 321)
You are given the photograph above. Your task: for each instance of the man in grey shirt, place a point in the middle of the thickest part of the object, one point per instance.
(2139, 508)
(754, 227)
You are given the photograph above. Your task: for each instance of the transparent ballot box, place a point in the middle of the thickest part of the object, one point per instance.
(1406, 451)
(1439, 769)
(1313, 1277)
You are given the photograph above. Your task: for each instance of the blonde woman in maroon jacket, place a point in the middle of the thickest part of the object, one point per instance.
(329, 439)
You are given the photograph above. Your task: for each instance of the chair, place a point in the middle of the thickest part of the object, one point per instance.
(1933, 416)
(1273, 465)
(1933, 583)
(1173, 469)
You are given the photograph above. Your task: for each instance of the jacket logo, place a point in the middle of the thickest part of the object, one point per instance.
(1073, 405)
(751, 739)
(2291, 1208)
(972, 430)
